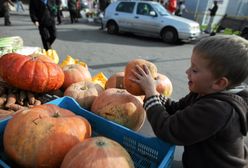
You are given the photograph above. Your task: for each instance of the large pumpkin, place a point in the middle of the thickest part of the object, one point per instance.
(42, 135)
(131, 86)
(120, 106)
(30, 73)
(98, 152)
(75, 73)
(84, 92)
(115, 81)
(164, 85)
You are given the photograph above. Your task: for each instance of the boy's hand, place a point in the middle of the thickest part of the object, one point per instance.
(145, 80)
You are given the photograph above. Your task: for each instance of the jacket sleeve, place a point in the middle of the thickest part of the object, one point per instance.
(188, 125)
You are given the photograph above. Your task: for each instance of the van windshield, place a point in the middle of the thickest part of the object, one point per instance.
(161, 10)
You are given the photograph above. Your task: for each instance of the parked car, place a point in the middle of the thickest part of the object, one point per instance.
(148, 18)
(236, 23)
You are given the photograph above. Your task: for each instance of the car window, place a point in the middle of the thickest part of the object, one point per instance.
(161, 10)
(144, 9)
(126, 7)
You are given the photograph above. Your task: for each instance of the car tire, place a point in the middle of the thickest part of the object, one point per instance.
(112, 27)
(169, 35)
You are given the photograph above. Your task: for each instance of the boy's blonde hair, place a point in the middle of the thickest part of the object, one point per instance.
(227, 56)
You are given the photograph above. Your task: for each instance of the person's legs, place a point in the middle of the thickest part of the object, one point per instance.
(6, 18)
(52, 34)
(71, 16)
(17, 5)
(5, 10)
(44, 33)
(75, 15)
(21, 4)
(59, 16)
(209, 27)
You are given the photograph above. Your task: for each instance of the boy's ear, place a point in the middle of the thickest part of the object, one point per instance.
(221, 83)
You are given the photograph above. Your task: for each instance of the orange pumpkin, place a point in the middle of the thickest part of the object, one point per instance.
(41, 136)
(84, 92)
(75, 73)
(164, 85)
(98, 152)
(131, 86)
(120, 106)
(30, 73)
(115, 81)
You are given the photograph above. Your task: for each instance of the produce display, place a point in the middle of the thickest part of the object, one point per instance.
(98, 152)
(41, 134)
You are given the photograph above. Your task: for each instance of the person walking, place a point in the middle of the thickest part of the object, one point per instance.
(72, 6)
(213, 11)
(4, 9)
(42, 14)
(19, 5)
(59, 11)
(181, 8)
(171, 6)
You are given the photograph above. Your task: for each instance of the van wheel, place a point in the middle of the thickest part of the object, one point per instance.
(112, 28)
(169, 35)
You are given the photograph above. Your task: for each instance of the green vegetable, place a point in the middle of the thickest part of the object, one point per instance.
(10, 44)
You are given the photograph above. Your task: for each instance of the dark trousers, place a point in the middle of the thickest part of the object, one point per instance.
(48, 35)
(59, 14)
(4, 12)
(73, 16)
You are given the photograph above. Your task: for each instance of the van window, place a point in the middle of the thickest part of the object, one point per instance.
(126, 7)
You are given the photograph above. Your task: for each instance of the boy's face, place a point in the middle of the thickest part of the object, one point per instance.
(200, 77)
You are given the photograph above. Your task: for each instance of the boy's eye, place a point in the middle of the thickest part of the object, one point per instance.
(194, 70)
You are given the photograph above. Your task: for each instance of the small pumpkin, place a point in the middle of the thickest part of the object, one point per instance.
(41, 136)
(75, 73)
(116, 81)
(98, 152)
(131, 86)
(164, 85)
(30, 73)
(121, 107)
(84, 92)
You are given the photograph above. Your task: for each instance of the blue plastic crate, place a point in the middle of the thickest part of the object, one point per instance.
(146, 152)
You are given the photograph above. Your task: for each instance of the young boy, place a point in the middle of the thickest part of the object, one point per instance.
(212, 120)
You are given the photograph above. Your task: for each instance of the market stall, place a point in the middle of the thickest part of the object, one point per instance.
(49, 106)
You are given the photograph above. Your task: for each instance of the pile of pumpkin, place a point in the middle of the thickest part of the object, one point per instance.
(42, 135)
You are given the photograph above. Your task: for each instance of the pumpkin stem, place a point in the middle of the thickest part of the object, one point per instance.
(84, 88)
(100, 143)
(56, 114)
